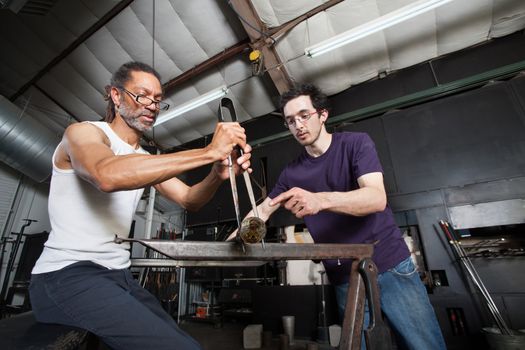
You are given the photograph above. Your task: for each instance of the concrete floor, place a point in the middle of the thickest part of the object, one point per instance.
(230, 337)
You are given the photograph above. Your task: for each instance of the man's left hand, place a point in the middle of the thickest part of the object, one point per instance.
(240, 164)
(300, 202)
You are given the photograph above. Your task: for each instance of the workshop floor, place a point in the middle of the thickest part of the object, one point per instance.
(229, 337)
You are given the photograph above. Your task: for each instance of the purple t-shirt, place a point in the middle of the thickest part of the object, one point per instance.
(349, 156)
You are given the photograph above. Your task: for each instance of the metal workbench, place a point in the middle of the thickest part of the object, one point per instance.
(187, 253)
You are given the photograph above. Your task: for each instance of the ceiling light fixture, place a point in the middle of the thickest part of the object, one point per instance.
(380, 23)
(192, 104)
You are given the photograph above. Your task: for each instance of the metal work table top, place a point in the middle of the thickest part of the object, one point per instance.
(233, 251)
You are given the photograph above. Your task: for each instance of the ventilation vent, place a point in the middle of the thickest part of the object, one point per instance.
(28, 7)
(4, 4)
(37, 7)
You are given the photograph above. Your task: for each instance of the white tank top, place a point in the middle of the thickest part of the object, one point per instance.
(84, 220)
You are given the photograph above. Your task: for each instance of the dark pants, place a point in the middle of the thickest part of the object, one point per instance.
(108, 303)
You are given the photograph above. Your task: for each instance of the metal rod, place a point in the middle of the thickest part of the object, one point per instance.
(481, 286)
(227, 103)
(249, 188)
(235, 194)
(324, 325)
(488, 300)
(476, 279)
(247, 236)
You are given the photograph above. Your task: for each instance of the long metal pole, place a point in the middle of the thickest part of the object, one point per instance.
(150, 210)
(468, 263)
(148, 228)
(324, 326)
(476, 279)
(488, 300)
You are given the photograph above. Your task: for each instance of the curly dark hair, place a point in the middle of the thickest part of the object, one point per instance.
(120, 78)
(319, 99)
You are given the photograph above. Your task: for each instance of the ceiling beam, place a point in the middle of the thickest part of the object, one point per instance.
(275, 32)
(258, 33)
(79, 41)
(211, 62)
(256, 40)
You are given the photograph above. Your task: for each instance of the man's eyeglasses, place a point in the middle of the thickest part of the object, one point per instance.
(146, 101)
(303, 117)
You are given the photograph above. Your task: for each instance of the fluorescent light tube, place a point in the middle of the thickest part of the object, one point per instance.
(192, 104)
(380, 23)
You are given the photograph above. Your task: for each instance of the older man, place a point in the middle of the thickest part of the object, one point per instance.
(99, 173)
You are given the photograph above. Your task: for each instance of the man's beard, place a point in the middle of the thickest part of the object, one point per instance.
(132, 118)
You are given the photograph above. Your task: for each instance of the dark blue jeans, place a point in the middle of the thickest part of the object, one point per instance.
(405, 303)
(108, 303)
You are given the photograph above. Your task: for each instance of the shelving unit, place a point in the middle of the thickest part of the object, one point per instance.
(236, 303)
(216, 294)
(207, 312)
(201, 296)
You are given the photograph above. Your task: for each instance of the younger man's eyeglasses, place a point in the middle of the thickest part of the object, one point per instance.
(303, 117)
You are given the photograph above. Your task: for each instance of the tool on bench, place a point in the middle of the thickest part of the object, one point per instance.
(252, 229)
(377, 335)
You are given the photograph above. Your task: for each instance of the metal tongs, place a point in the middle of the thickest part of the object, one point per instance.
(251, 229)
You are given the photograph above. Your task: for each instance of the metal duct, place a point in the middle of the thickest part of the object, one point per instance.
(25, 144)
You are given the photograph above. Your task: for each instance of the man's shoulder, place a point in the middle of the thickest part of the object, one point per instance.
(86, 130)
(352, 140)
(87, 125)
(351, 136)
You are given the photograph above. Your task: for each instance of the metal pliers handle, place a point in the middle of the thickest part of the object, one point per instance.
(227, 103)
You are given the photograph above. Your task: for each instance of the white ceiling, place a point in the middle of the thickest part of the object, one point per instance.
(175, 36)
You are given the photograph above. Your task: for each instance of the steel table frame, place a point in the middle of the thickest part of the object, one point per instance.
(188, 253)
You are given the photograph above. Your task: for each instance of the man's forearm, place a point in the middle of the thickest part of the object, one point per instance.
(360, 202)
(201, 193)
(137, 171)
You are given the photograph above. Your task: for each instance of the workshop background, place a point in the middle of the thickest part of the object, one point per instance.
(442, 95)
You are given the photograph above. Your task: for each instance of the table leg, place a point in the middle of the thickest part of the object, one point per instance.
(351, 331)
